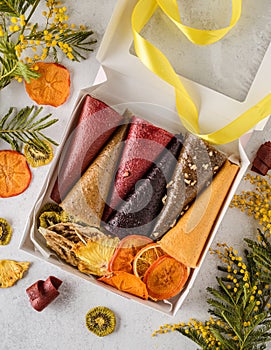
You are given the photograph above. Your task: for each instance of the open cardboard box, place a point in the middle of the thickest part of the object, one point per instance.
(124, 83)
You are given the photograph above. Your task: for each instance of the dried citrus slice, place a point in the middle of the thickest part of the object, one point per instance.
(53, 85)
(145, 258)
(127, 249)
(126, 282)
(165, 278)
(15, 175)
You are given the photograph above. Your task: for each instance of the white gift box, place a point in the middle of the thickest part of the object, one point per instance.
(123, 82)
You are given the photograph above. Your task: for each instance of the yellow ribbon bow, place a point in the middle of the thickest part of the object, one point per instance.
(157, 62)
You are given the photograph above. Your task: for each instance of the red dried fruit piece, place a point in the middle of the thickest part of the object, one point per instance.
(15, 175)
(262, 162)
(42, 293)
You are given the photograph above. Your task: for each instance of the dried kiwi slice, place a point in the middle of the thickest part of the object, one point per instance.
(101, 321)
(50, 207)
(51, 214)
(5, 232)
(38, 156)
(49, 218)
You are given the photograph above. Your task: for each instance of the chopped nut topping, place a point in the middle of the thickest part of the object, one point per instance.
(126, 174)
(210, 153)
(188, 182)
(169, 184)
(164, 199)
(205, 166)
(193, 167)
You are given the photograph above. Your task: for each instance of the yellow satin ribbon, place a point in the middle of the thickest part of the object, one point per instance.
(157, 62)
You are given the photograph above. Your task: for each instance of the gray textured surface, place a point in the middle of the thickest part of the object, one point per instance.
(61, 326)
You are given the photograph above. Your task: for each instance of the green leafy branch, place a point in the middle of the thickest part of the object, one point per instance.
(16, 7)
(25, 127)
(240, 304)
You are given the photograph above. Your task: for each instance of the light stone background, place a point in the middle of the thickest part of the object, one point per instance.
(62, 324)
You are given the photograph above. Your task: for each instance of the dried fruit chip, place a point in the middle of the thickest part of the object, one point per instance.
(95, 255)
(165, 278)
(38, 156)
(15, 175)
(145, 258)
(127, 249)
(101, 321)
(126, 282)
(11, 271)
(52, 87)
(5, 232)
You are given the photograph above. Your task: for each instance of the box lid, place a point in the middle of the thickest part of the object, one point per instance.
(215, 109)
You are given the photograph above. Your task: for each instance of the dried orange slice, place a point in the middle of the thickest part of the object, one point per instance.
(53, 85)
(15, 175)
(165, 278)
(127, 249)
(126, 282)
(145, 258)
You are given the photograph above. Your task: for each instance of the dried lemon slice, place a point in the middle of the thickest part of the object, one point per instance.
(5, 232)
(95, 255)
(11, 271)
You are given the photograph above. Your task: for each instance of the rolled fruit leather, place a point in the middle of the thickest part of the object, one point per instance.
(187, 239)
(42, 293)
(143, 204)
(197, 165)
(144, 143)
(86, 200)
(96, 123)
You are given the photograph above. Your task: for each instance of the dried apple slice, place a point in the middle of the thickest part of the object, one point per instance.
(15, 175)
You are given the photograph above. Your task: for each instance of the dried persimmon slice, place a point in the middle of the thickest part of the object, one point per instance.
(15, 175)
(53, 85)
(165, 278)
(126, 282)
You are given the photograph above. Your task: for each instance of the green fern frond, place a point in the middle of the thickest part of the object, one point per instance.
(24, 127)
(16, 8)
